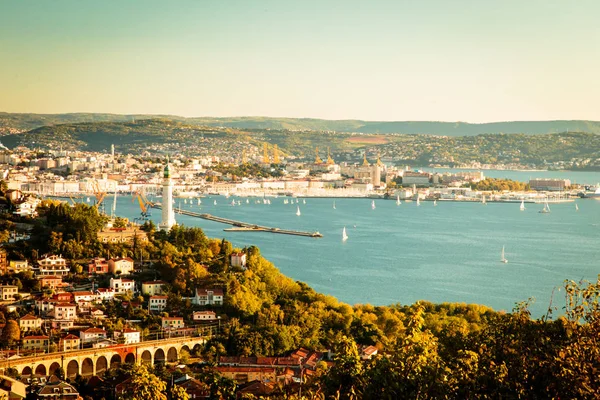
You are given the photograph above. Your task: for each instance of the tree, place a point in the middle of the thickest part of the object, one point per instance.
(179, 393)
(11, 333)
(144, 386)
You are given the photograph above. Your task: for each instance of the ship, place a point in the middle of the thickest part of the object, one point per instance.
(590, 192)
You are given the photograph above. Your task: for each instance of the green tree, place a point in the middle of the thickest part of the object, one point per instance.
(144, 385)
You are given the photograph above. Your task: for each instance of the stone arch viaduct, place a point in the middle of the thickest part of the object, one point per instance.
(90, 362)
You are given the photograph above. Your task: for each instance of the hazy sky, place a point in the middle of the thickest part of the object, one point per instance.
(451, 60)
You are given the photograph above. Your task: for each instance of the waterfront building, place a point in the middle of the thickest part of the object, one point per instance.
(554, 185)
(168, 214)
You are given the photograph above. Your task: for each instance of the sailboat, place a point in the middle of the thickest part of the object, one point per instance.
(522, 207)
(247, 201)
(576, 207)
(344, 235)
(215, 202)
(434, 203)
(373, 205)
(334, 204)
(398, 202)
(303, 201)
(418, 202)
(232, 203)
(502, 258)
(298, 211)
(199, 201)
(184, 201)
(483, 199)
(546, 208)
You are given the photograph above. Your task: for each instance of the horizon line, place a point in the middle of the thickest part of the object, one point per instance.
(298, 118)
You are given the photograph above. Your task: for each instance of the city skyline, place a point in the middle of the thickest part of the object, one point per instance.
(432, 60)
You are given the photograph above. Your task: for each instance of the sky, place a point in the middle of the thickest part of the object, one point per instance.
(458, 60)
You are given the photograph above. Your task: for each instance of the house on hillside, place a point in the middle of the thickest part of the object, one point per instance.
(205, 297)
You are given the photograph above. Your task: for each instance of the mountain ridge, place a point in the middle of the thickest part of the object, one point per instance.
(28, 121)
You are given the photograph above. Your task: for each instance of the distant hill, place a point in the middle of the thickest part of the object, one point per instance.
(25, 122)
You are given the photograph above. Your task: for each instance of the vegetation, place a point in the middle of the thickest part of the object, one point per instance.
(495, 185)
(417, 144)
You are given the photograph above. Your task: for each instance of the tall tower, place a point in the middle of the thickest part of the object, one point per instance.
(168, 215)
(317, 158)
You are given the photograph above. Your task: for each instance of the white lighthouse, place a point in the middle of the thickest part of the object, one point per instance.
(168, 215)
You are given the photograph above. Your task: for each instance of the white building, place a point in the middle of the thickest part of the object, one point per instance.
(8, 292)
(65, 311)
(238, 259)
(105, 294)
(120, 285)
(204, 316)
(157, 303)
(129, 336)
(205, 297)
(122, 266)
(92, 335)
(168, 215)
(52, 265)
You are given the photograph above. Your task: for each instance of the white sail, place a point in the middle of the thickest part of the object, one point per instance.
(373, 205)
(434, 203)
(418, 202)
(247, 201)
(576, 207)
(199, 201)
(298, 211)
(215, 202)
(344, 235)
(398, 202)
(303, 201)
(334, 204)
(483, 199)
(522, 207)
(502, 258)
(232, 203)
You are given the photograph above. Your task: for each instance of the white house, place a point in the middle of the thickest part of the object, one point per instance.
(105, 294)
(65, 311)
(52, 265)
(238, 259)
(208, 297)
(87, 297)
(123, 266)
(129, 335)
(204, 316)
(92, 335)
(29, 322)
(157, 303)
(8, 292)
(120, 285)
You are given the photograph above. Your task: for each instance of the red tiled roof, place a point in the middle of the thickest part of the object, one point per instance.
(28, 317)
(35, 337)
(94, 330)
(70, 336)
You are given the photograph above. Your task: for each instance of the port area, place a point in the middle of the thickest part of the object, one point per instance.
(239, 226)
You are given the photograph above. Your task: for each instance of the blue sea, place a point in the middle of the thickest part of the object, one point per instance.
(403, 253)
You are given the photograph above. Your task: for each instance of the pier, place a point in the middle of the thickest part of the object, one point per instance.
(239, 226)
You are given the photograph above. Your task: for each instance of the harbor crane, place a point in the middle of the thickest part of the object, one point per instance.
(143, 202)
(100, 195)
